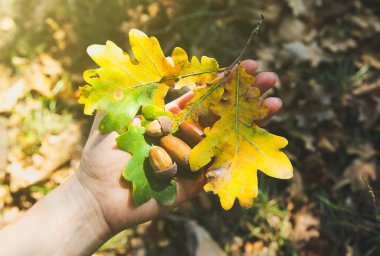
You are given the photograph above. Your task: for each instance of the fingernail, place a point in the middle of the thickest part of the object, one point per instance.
(277, 78)
(278, 100)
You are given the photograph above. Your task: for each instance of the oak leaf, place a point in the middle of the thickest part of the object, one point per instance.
(201, 105)
(123, 84)
(145, 184)
(238, 147)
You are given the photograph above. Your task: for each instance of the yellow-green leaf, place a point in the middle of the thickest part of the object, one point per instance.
(123, 84)
(238, 146)
(201, 105)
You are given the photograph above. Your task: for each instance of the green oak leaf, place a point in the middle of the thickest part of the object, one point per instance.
(138, 171)
(122, 103)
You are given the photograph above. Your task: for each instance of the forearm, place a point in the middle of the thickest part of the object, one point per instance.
(66, 222)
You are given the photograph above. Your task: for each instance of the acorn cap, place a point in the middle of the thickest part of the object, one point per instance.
(153, 129)
(161, 163)
(166, 124)
(167, 173)
(159, 127)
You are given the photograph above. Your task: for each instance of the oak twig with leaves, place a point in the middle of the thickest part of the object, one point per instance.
(234, 147)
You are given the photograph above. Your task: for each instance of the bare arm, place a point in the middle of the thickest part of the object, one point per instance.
(65, 222)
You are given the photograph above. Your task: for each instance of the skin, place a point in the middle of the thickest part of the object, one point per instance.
(96, 203)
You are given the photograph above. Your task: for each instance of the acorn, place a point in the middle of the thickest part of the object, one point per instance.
(162, 165)
(159, 127)
(178, 150)
(191, 132)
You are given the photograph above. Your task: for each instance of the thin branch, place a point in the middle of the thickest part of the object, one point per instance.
(254, 31)
(237, 109)
(164, 79)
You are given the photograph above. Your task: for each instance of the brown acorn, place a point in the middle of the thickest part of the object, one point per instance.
(162, 165)
(159, 127)
(177, 149)
(191, 132)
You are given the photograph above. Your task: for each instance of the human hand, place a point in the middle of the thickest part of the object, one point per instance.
(102, 163)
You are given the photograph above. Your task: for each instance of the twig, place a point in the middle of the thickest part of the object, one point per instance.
(254, 31)
(237, 109)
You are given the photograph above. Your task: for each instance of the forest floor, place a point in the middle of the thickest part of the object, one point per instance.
(327, 56)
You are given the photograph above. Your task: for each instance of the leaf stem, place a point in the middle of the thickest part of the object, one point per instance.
(237, 109)
(254, 31)
(164, 79)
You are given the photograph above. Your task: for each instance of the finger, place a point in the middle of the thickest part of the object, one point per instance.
(250, 66)
(189, 188)
(265, 81)
(274, 105)
(177, 105)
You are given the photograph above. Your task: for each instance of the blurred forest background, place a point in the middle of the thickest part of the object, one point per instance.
(327, 55)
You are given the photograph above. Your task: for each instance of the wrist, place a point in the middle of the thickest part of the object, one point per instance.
(88, 209)
(70, 222)
(76, 224)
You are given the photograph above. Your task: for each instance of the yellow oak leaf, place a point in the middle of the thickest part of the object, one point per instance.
(238, 147)
(123, 84)
(200, 106)
(195, 72)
